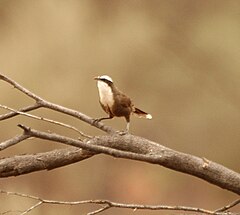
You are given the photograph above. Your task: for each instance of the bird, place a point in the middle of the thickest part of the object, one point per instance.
(115, 103)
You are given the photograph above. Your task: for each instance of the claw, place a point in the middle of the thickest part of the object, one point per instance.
(124, 132)
(97, 120)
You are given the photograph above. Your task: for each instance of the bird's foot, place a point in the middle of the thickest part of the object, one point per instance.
(97, 120)
(124, 132)
(100, 119)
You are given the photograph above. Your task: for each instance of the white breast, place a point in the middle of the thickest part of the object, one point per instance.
(105, 94)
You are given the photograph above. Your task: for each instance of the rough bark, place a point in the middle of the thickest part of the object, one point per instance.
(127, 146)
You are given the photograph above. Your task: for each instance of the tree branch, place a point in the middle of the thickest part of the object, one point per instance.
(46, 120)
(109, 205)
(23, 164)
(227, 207)
(13, 141)
(138, 148)
(14, 113)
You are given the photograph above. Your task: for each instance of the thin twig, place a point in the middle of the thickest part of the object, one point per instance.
(109, 204)
(99, 210)
(151, 207)
(232, 204)
(24, 109)
(10, 211)
(46, 120)
(32, 208)
(19, 194)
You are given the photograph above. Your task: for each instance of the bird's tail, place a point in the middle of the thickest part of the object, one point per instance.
(142, 114)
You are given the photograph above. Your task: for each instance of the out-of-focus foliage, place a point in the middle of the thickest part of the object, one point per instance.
(178, 60)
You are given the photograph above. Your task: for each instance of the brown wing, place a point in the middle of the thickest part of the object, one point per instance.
(122, 105)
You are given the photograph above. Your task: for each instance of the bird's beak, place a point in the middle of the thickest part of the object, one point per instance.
(96, 78)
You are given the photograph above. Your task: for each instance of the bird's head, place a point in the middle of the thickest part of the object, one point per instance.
(104, 78)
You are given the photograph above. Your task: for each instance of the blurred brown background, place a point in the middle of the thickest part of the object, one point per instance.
(178, 60)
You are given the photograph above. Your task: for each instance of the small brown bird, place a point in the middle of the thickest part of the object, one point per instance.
(115, 103)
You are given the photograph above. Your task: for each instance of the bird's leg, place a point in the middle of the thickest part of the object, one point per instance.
(103, 118)
(126, 131)
(128, 126)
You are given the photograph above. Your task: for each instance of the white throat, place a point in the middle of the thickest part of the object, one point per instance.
(105, 94)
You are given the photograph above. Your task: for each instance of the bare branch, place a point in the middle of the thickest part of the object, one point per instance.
(138, 148)
(25, 109)
(104, 208)
(32, 208)
(46, 120)
(20, 88)
(10, 211)
(77, 115)
(13, 141)
(109, 204)
(227, 207)
(23, 164)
